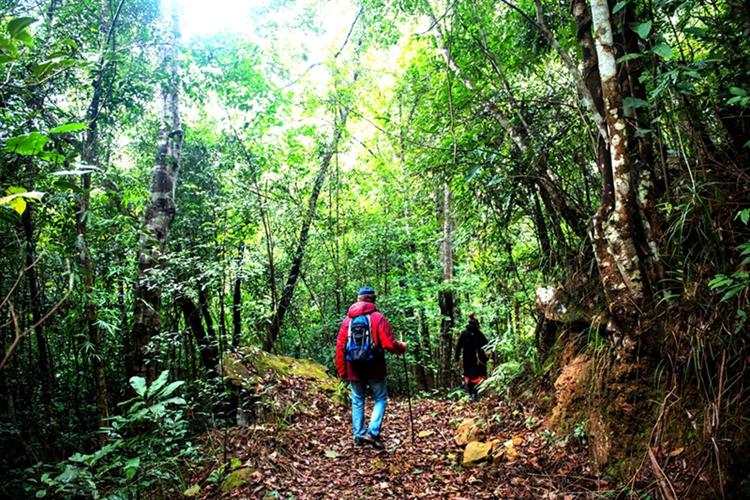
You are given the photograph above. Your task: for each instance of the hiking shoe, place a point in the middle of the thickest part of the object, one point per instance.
(375, 441)
(359, 441)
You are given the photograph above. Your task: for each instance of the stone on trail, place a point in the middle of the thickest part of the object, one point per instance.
(477, 451)
(468, 431)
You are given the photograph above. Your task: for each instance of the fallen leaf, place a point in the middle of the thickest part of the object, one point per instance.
(676, 452)
(425, 434)
(331, 454)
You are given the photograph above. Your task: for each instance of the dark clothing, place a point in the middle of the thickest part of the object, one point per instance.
(470, 345)
(383, 337)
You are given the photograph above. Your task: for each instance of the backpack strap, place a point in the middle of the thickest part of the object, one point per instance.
(373, 335)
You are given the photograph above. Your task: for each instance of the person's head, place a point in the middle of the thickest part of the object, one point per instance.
(473, 325)
(366, 294)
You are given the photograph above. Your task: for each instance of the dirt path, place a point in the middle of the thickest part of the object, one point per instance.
(312, 456)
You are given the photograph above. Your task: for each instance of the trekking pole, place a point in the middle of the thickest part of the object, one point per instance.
(408, 397)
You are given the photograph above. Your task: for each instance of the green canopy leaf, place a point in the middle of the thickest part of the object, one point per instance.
(17, 25)
(642, 29)
(68, 127)
(139, 385)
(27, 145)
(663, 50)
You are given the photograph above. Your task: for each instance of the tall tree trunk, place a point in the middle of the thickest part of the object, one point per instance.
(44, 363)
(237, 301)
(161, 208)
(548, 258)
(423, 339)
(625, 283)
(213, 339)
(299, 253)
(445, 296)
(90, 156)
(206, 348)
(619, 408)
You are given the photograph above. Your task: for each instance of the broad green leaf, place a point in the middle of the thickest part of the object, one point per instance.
(131, 467)
(732, 292)
(84, 169)
(18, 204)
(643, 29)
(170, 388)
(16, 198)
(737, 91)
(634, 102)
(68, 127)
(158, 383)
(695, 31)
(25, 37)
(175, 401)
(629, 57)
(27, 144)
(744, 216)
(473, 173)
(619, 6)
(663, 50)
(139, 384)
(17, 25)
(643, 132)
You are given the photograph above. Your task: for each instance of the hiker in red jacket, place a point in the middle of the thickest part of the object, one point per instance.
(364, 336)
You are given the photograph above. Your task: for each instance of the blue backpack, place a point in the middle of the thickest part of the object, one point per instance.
(360, 346)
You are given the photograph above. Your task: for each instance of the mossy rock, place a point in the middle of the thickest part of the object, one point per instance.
(246, 369)
(237, 478)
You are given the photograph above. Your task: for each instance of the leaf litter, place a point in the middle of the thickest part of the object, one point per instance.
(311, 453)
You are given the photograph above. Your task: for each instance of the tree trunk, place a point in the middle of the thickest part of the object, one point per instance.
(89, 155)
(625, 282)
(299, 253)
(237, 302)
(423, 339)
(161, 208)
(446, 297)
(44, 363)
(206, 348)
(619, 410)
(213, 340)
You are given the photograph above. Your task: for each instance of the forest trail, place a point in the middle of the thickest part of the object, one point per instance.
(313, 457)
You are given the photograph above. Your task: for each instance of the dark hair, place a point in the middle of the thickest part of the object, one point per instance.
(473, 325)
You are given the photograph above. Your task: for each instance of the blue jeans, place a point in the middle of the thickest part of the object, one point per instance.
(359, 391)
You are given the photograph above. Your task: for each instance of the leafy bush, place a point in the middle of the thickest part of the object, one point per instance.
(147, 444)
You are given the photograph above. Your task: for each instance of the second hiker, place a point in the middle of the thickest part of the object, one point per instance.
(364, 336)
(470, 344)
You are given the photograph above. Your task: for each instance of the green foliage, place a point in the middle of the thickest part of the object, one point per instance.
(146, 447)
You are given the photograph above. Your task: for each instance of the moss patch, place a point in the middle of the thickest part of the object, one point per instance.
(237, 478)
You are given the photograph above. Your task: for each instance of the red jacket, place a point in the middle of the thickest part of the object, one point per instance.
(383, 336)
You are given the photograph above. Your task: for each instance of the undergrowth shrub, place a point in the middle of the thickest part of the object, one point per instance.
(147, 446)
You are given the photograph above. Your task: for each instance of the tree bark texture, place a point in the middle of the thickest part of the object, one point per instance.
(161, 207)
(615, 241)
